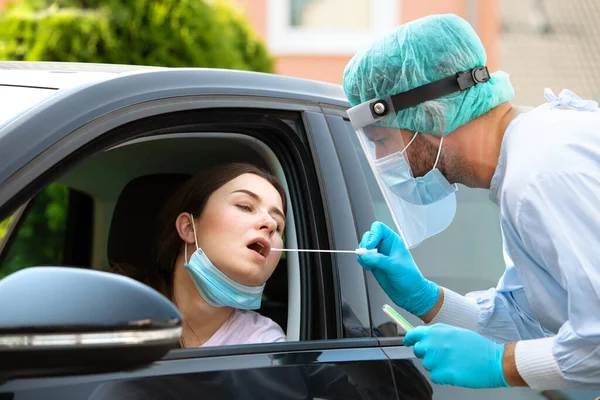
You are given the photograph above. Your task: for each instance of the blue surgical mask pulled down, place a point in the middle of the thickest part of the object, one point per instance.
(217, 288)
(428, 189)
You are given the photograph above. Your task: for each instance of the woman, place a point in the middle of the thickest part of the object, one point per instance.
(214, 254)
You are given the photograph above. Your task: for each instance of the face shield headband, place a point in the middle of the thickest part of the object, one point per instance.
(374, 110)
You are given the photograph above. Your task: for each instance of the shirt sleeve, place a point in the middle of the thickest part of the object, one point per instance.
(559, 222)
(493, 313)
(502, 314)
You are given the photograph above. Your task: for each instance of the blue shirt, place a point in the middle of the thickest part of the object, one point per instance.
(547, 186)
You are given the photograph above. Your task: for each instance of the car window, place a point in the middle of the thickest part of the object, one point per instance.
(42, 235)
(17, 99)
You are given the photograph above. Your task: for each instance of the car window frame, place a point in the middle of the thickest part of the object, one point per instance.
(349, 277)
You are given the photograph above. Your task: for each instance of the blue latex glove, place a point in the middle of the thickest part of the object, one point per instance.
(396, 271)
(457, 356)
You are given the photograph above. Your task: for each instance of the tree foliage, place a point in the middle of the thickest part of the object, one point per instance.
(172, 33)
(40, 237)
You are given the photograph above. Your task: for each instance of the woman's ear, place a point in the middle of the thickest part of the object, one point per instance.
(184, 227)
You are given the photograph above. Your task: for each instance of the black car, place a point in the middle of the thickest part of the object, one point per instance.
(98, 147)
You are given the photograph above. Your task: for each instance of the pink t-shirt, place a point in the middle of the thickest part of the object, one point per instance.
(246, 327)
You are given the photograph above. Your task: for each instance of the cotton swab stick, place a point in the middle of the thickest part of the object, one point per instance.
(360, 252)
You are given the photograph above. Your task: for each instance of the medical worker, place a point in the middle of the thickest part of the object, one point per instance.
(429, 115)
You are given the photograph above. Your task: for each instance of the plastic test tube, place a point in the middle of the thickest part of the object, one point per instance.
(399, 319)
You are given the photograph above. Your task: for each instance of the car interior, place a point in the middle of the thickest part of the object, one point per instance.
(115, 196)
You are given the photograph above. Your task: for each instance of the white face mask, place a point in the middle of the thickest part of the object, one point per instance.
(397, 175)
(423, 206)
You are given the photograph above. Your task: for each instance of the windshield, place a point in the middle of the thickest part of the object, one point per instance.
(15, 100)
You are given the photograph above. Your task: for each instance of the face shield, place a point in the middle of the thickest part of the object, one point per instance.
(421, 206)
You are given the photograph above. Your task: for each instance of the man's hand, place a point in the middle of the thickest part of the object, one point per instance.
(396, 271)
(458, 357)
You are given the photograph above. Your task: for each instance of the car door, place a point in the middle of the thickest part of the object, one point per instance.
(322, 364)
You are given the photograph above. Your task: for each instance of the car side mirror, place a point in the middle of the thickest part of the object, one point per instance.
(61, 320)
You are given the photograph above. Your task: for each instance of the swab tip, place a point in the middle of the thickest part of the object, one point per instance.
(362, 251)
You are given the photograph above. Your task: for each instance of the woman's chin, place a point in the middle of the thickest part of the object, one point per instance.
(249, 275)
(241, 269)
(253, 281)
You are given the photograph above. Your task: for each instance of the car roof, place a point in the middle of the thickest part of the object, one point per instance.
(63, 75)
(60, 75)
(87, 92)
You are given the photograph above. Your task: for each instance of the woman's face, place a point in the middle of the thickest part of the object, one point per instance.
(239, 225)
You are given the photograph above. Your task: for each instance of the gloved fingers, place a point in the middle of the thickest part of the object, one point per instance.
(391, 243)
(443, 376)
(383, 238)
(394, 244)
(415, 335)
(364, 240)
(389, 264)
(379, 228)
(371, 261)
(428, 362)
(419, 349)
(373, 236)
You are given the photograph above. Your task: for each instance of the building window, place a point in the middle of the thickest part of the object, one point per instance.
(328, 26)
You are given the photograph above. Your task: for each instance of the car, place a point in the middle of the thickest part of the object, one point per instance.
(88, 153)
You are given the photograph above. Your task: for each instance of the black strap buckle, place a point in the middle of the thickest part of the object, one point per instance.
(379, 109)
(471, 78)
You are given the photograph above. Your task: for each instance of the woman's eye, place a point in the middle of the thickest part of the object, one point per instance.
(244, 207)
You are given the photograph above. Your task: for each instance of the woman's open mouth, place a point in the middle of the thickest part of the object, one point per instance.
(261, 246)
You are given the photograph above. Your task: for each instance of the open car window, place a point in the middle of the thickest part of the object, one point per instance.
(98, 183)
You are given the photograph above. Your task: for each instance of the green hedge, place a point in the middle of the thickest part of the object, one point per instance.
(173, 33)
(40, 238)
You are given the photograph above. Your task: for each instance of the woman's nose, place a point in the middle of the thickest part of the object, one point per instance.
(269, 224)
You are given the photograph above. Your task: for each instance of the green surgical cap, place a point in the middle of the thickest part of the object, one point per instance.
(420, 52)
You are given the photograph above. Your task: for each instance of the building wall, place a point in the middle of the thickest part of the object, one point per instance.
(318, 65)
(551, 44)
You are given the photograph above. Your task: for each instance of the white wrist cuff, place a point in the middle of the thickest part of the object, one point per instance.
(536, 364)
(457, 311)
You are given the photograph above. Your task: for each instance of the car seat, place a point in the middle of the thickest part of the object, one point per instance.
(134, 231)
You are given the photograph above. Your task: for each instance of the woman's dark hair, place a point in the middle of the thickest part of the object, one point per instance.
(191, 197)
